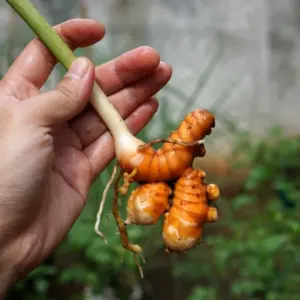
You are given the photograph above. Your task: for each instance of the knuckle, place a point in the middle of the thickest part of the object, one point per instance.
(47, 55)
(69, 90)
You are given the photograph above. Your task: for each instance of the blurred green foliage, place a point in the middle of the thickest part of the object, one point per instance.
(35, 285)
(253, 251)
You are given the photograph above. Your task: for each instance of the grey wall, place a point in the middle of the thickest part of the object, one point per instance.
(243, 55)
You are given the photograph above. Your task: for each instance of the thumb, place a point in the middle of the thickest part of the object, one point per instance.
(68, 98)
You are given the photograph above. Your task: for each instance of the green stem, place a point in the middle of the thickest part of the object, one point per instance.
(65, 56)
(44, 31)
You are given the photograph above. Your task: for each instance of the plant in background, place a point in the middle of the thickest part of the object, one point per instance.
(200, 293)
(253, 252)
(36, 285)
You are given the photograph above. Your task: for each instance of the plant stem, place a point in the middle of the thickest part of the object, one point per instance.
(11, 36)
(65, 56)
(41, 27)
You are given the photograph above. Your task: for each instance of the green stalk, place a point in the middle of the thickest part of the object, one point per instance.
(44, 31)
(65, 56)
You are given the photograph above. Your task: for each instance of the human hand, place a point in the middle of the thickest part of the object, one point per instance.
(53, 144)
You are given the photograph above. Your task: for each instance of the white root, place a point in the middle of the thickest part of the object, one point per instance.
(102, 202)
(136, 260)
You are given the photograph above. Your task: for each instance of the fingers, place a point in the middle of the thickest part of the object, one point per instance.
(127, 68)
(35, 63)
(67, 100)
(89, 126)
(101, 152)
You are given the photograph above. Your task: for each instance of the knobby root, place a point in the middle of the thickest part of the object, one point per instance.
(122, 231)
(136, 249)
(128, 179)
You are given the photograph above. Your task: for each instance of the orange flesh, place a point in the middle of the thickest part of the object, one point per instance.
(147, 203)
(183, 224)
(171, 160)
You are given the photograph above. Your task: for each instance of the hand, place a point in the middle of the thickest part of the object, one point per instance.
(53, 144)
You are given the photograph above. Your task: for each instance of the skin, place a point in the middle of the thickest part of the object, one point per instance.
(53, 144)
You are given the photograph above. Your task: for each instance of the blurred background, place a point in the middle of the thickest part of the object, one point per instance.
(241, 60)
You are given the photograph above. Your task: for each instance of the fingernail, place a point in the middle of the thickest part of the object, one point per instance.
(78, 68)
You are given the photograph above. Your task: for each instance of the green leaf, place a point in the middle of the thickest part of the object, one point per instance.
(42, 270)
(222, 258)
(273, 243)
(293, 225)
(41, 286)
(242, 200)
(258, 176)
(246, 287)
(80, 235)
(78, 274)
(203, 293)
(99, 252)
(275, 131)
